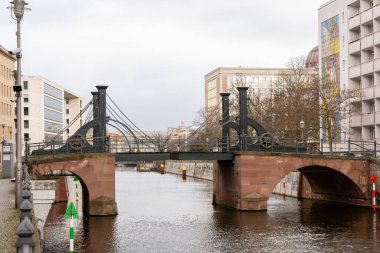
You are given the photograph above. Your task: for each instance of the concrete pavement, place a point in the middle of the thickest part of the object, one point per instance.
(9, 216)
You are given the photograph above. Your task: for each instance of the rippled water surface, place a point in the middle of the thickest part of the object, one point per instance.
(162, 213)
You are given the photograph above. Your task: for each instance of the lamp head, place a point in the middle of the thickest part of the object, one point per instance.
(302, 124)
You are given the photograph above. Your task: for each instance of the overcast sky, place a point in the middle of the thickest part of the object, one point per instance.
(154, 54)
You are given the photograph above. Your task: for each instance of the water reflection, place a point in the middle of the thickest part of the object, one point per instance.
(162, 213)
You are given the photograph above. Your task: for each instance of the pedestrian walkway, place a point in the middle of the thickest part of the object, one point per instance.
(9, 216)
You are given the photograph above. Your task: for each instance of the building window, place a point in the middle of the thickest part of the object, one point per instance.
(67, 111)
(67, 121)
(67, 131)
(26, 100)
(26, 111)
(371, 80)
(372, 107)
(67, 101)
(371, 3)
(26, 124)
(372, 132)
(371, 55)
(26, 136)
(25, 85)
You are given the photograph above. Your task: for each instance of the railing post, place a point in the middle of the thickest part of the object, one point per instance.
(271, 145)
(374, 148)
(228, 143)
(322, 146)
(81, 146)
(349, 145)
(53, 148)
(296, 145)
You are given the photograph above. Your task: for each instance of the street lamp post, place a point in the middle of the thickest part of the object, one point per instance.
(17, 9)
(302, 126)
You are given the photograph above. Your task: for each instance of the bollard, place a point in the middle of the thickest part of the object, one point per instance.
(373, 179)
(25, 230)
(26, 194)
(76, 179)
(184, 172)
(162, 168)
(71, 213)
(26, 207)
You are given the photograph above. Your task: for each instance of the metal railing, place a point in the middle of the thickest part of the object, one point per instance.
(25, 230)
(245, 143)
(70, 146)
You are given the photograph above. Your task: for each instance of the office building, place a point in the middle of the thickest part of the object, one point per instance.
(48, 108)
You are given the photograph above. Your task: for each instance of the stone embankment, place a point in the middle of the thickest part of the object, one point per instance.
(201, 170)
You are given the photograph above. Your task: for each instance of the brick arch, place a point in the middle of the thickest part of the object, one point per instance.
(97, 177)
(247, 183)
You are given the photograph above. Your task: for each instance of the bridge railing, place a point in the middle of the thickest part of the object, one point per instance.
(70, 146)
(207, 144)
(351, 148)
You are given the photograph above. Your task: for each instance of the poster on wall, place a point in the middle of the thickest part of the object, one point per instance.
(330, 72)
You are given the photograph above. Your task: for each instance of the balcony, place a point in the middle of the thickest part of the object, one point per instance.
(376, 38)
(354, 22)
(368, 119)
(376, 12)
(352, 1)
(366, 16)
(377, 118)
(356, 120)
(355, 71)
(354, 47)
(377, 91)
(367, 93)
(367, 42)
(367, 67)
(376, 65)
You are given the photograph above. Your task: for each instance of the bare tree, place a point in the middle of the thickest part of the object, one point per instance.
(334, 108)
(296, 98)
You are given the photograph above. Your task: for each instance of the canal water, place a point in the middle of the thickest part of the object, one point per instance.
(163, 213)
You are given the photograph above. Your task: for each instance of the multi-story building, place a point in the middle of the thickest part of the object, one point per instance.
(349, 43)
(7, 123)
(47, 109)
(261, 80)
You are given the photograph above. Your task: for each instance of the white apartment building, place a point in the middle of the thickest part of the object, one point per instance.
(349, 46)
(47, 108)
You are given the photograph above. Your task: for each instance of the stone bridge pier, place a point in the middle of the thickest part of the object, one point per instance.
(247, 182)
(97, 178)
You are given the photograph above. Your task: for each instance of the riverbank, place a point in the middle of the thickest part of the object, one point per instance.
(201, 170)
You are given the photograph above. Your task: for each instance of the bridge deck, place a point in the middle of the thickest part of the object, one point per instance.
(200, 156)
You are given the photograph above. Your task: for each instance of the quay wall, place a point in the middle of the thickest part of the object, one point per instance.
(201, 170)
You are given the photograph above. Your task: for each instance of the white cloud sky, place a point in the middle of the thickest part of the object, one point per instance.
(154, 54)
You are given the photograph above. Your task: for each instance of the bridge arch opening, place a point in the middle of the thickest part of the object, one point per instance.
(319, 182)
(69, 187)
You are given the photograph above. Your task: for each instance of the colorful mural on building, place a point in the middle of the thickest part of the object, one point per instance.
(330, 72)
(330, 51)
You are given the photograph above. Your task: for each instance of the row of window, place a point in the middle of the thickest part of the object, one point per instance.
(5, 109)
(6, 90)
(6, 72)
